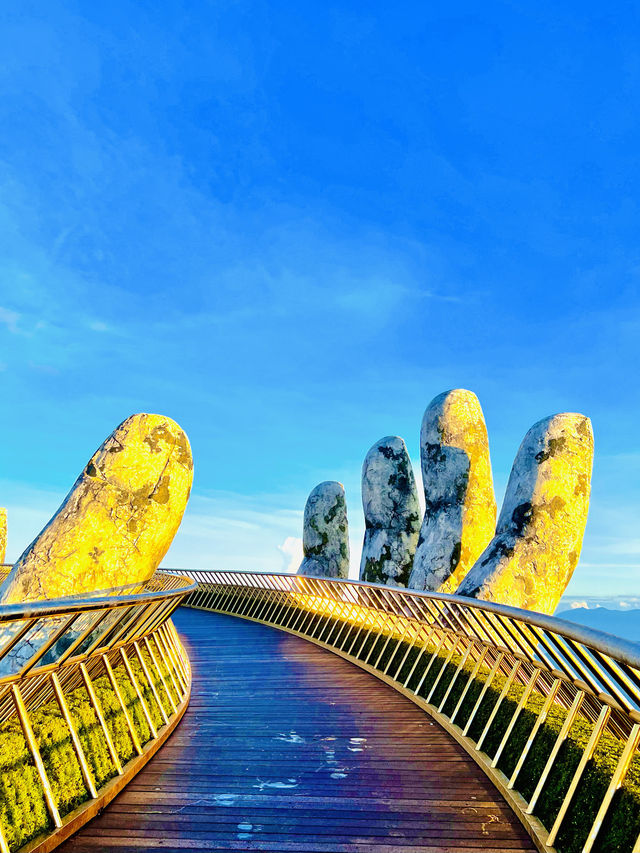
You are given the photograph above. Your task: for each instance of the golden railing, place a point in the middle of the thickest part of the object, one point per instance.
(504, 682)
(49, 649)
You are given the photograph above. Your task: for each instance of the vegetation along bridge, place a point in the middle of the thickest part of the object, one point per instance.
(138, 726)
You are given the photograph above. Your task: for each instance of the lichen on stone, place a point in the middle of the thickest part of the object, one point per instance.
(391, 513)
(539, 534)
(460, 507)
(325, 536)
(117, 522)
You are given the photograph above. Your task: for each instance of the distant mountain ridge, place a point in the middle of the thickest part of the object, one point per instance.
(621, 623)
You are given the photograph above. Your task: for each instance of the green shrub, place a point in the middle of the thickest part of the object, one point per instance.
(23, 810)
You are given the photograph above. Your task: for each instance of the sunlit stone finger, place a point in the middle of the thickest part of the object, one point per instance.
(117, 522)
(460, 507)
(538, 539)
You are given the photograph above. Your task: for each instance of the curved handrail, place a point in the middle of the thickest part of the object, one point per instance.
(74, 604)
(481, 669)
(50, 649)
(606, 643)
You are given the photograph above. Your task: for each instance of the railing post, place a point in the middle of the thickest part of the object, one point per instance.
(562, 736)
(97, 708)
(75, 738)
(25, 724)
(123, 707)
(136, 687)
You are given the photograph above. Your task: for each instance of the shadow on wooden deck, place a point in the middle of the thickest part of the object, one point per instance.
(286, 747)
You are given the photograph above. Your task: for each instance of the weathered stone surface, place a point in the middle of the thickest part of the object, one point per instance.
(3, 534)
(325, 536)
(117, 522)
(391, 513)
(538, 539)
(460, 507)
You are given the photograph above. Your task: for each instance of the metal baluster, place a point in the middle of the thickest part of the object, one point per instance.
(598, 728)
(553, 692)
(435, 654)
(385, 624)
(167, 665)
(336, 614)
(210, 602)
(328, 610)
(284, 603)
(616, 781)
(270, 601)
(150, 682)
(485, 687)
(360, 610)
(408, 625)
(97, 709)
(233, 601)
(367, 610)
(384, 648)
(147, 646)
(252, 602)
(443, 668)
(123, 707)
(68, 652)
(375, 627)
(514, 719)
(420, 655)
(562, 736)
(374, 618)
(351, 605)
(177, 659)
(459, 669)
(470, 681)
(75, 738)
(174, 668)
(419, 632)
(44, 648)
(179, 652)
(136, 687)
(505, 689)
(295, 611)
(32, 743)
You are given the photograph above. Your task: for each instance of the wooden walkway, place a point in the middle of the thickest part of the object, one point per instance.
(286, 747)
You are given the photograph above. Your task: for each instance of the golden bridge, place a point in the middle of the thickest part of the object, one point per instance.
(250, 711)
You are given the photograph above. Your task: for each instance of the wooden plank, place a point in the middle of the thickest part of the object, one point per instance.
(286, 747)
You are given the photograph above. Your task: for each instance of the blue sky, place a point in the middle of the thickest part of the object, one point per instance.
(290, 225)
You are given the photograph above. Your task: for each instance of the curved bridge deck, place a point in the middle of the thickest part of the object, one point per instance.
(286, 747)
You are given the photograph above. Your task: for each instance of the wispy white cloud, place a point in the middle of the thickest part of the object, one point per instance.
(292, 553)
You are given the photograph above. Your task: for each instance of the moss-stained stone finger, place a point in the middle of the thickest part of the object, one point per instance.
(460, 507)
(391, 513)
(325, 535)
(3, 534)
(535, 550)
(117, 522)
